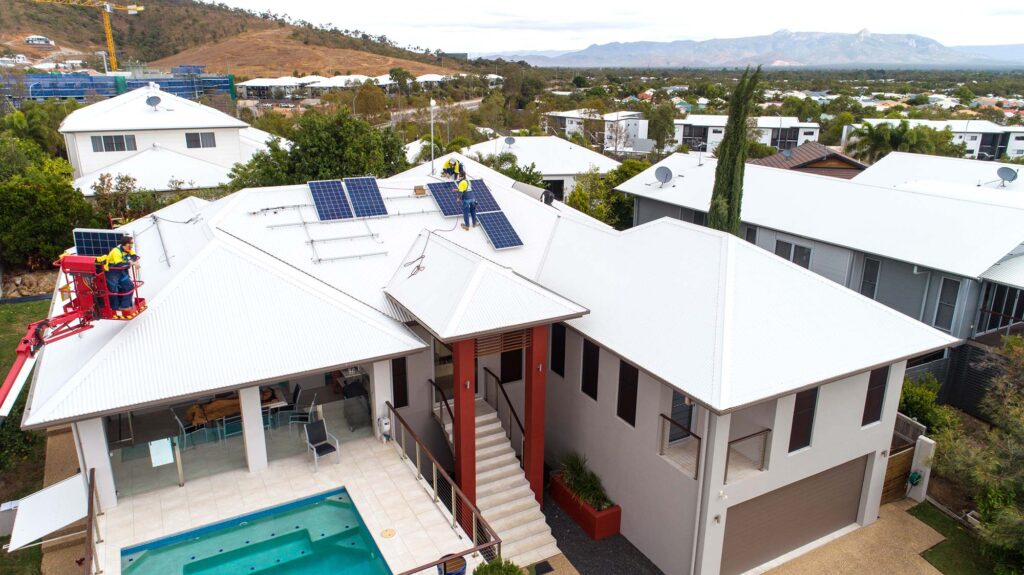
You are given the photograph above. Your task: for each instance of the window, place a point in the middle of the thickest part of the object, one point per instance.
(200, 140)
(628, 378)
(558, 348)
(700, 218)
(716, 131)
(785, 138)
(399, 383)
(682, 413)
(591, 355)
(947, 303)
(803, 419)
(800, 255)
(876, 395)
(1018, 138)
(972, 138)
(113, 143)
(511, 365)
(869, 283)
(809, 133)
(751, 234)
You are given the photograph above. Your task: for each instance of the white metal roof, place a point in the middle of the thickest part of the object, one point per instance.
(720, 318)
(896, 169)
(431, 78)
(622, 115)
(153, 169)
(719, 121)
(457, 294)
(579, 114)
(908, 225)
(962, 126)
(130, 112)
(553, 156)
(1009, 272)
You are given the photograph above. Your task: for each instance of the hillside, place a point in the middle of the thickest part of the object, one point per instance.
(783, 48)
(275, 53)
(1004, 52)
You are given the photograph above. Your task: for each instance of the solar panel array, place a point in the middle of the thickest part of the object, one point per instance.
(499, 230)
(365, 196)
(95, 242)
(447, 197)
(329, 199)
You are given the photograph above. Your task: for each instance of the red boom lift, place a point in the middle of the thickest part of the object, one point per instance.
(86, 300)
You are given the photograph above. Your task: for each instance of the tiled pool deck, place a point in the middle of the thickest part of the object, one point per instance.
(381, 484)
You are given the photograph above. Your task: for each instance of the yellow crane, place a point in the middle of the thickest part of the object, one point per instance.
(106, 8)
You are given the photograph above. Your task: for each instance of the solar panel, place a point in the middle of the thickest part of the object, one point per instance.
(499, 230)
(365, 196)
(95, 242)
(447, 197)
(329, 198)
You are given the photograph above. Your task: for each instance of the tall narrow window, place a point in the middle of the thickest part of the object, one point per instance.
(591, 356)
(869, 283)
(511, 365)
(682, 413)
(558, 348)
(946, 304)
(802, 256)
(803, 419)
(875, 396)
(700, 218)
(399, 382)
(628, 383)
(751, 234)
(783, 249)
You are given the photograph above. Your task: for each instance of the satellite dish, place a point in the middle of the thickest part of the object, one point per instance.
(663, 175)
(787, 153)
(1006, 174)
(153, 101)
(510, 140)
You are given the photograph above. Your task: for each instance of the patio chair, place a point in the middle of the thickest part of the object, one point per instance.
(229, 426)
(296, 395)
(303, 415)
(321, 443)
(187, 431)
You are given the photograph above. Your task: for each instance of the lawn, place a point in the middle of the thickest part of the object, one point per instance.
(21, 473)
(960, 553)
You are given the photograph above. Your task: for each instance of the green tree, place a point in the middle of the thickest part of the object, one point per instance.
(16, 154)
(328, 146)
(508, 164)
(727, 194)
(371, 103)
(121, 198)
(620, 205)
(275, 123)
(590, 195)
(832, 130)
(272, 167)
(38, 209)
(964, 94)
(661, 124)
(756, 150)
(403, 78)
(491, 112)
(872, 142)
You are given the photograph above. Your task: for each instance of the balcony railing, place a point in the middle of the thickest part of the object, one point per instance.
(441, 408)
(684, 453)
(92, 530)
(747, 455)
(505, 410)
(452, 502)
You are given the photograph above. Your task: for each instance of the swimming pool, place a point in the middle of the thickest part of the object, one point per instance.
(319, 534)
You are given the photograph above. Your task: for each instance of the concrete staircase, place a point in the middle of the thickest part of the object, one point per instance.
(504, 496)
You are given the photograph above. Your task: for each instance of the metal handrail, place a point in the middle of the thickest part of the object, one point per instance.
(511, 410)
(663, 440)
(764, 449)
(480, 528)
(447, 406)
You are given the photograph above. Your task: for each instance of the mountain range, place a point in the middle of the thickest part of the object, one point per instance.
(783, 49)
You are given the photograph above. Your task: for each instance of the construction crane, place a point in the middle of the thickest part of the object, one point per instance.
(106, 8)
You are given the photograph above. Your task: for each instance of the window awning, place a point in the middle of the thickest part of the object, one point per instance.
(49, 510)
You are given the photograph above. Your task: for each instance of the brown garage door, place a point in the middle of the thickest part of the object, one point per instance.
(775, 523)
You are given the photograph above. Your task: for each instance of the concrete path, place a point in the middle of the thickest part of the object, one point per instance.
(893, 544)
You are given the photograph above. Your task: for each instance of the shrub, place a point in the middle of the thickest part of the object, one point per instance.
(919, 401)
(500, 567)
(584, 483)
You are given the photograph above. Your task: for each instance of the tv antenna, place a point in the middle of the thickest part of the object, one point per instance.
(663, 174)
(1006, 174)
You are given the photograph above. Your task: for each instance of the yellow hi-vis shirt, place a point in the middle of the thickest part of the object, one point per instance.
(116, 257)
(454, 165)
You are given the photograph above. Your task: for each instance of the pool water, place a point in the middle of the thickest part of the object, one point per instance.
(319, 534)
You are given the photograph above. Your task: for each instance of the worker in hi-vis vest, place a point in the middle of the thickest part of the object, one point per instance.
(453, 169)
(119, 280)
(468, 201)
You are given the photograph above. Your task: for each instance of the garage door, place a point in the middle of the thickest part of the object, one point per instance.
(775, 523)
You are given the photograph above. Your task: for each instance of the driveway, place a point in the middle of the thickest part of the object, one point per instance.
(893, 544)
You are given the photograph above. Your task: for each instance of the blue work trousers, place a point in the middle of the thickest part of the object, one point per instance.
(468, 211)
(120, 282)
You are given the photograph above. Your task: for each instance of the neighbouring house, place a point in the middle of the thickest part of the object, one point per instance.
(970, 286)
(704, 132)
(558, 160)
(814, 158)
(163, 141)
(682, 105)
(985, 140)
(625, 132)
(658, 353)
(36, 40)
(572, 122)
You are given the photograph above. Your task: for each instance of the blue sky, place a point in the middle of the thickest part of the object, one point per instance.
(573, 24)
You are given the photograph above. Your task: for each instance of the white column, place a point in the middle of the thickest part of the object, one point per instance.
(381, 391)
(252, 429)
(714, 497)
(871, 492)
(93, 453)
(923, 453)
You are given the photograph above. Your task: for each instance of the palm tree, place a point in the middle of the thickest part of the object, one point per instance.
(872, 141)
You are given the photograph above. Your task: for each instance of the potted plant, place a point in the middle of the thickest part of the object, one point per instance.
(499, 567)
(579, 492)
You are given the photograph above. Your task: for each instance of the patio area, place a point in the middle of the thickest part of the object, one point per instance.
(382, 485)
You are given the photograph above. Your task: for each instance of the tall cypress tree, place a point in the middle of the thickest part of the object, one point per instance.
(727, 195)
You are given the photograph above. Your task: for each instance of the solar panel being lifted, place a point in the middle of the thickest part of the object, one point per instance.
(95, 242)
(365, 196)
(499, 230)
(447, 197)
(329, 199)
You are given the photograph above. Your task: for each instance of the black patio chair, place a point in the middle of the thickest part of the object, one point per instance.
(320, 442)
